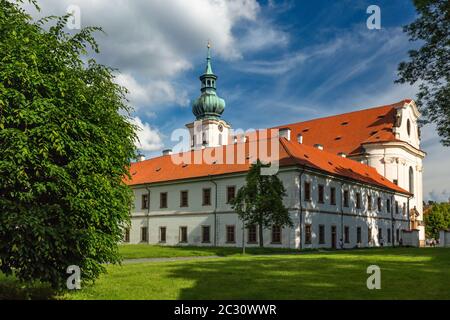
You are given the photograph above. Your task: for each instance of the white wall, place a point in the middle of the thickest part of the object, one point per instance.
(196, 215)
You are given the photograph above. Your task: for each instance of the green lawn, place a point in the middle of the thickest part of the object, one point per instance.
(406, 273)
(134, 251)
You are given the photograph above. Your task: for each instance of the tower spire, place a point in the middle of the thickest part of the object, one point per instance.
(208, 105)
(208, 59)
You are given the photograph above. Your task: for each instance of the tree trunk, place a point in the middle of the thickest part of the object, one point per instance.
(261, 240)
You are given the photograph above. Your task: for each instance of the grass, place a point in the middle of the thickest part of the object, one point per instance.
(136, 251)
(406, 273)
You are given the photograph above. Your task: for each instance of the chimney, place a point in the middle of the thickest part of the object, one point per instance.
(318, 146)
(285, 133)
(140, 157)
(342, 154)
(167, 152)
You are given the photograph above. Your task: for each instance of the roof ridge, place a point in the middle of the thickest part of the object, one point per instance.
(345, 114)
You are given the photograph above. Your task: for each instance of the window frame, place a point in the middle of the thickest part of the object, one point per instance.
(332, 196)
(358, 200)
(161, 228)
(227, 233)
(228, 193)
(145, 204)
(358, 235)
(180, 235)
(163, 204)
(346, 234)
(279, 234)
(308, 234)
(249, 241)
(182, 193)
(322, 234)
(307, 191)
(204, 203)
(144, 235)
(321, 193)
(206, 227)
(346, 198)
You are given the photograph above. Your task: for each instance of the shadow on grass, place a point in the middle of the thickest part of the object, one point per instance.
(406, 274)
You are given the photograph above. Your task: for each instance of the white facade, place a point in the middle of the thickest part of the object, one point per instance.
(208, 133)
(309, 216)
(401, 161)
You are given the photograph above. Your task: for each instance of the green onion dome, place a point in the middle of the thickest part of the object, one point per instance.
(208, 105)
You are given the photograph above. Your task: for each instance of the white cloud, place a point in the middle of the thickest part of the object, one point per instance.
(158, 38)
(149, 139)
(153, 93)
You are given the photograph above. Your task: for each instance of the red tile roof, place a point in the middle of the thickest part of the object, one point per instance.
(347, 132)
(163, 169)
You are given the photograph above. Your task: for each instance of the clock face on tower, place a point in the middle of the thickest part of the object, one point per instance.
(220, 128)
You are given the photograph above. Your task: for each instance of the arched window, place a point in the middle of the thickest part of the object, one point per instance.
(411, 180)
(408, 127)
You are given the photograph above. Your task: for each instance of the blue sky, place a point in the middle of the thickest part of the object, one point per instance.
(277, 61)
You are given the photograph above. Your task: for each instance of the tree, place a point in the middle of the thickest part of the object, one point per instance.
(438, 219)
(65, 147)
(430, 65)
(260, 201)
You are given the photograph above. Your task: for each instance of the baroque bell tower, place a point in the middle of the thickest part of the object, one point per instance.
(208, 129)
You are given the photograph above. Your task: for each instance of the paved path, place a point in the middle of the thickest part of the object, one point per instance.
(143, 260)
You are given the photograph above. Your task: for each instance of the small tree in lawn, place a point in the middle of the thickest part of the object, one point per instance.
(260, 201)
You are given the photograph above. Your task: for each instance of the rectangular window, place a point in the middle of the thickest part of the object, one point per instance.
(126, 237)
(346, 198)
(184, 198)
(358, 235)
(333, 196)
(183, 234)
(207, 197)
(369, 202)
(163, 200)
(206, 231)
(252, 238)
(397, 233)
(321, 234)
(380, 234)
(162, 234)
(307, 186)
(379, 204)
(308, 234)
(404, 208)
(388, 205)
(358, 200)
(144, 203)
(347, 234)
(389, 235)
(369, 234)
(276, 234)
(144, 234)
(231, 193)
(321, 193)
(396, 207)
(231, 234)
